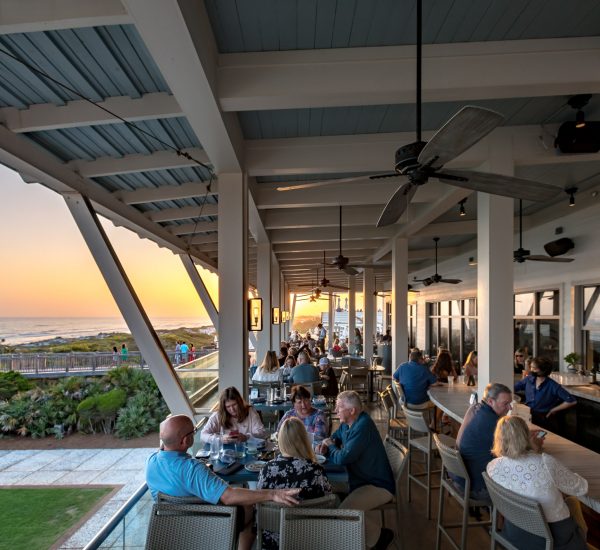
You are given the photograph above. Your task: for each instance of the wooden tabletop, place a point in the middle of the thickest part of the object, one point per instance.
(454, 401)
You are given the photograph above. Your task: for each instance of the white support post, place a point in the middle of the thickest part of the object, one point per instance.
(263, 275)
(233, 288)
(286, 303)
(330, 322)
(275, 302)
(351, 312)
(495, 275)
(368, 308)
(399, 302)
(201, 289)
(293, 313)
(129, 304)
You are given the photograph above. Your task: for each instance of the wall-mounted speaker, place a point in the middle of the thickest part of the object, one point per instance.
(559, 247)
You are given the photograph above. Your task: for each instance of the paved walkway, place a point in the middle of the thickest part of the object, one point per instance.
(119, 467)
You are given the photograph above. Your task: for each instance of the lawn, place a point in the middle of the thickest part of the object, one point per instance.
(36, 518)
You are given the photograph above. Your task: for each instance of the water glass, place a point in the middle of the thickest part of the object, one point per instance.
(451, 380)
(461, 379)
(251, 447)
(215, 448)
(240, 450)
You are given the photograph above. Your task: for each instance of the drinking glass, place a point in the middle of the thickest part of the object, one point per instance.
(215, 448)
(251, 448)
(240, 450)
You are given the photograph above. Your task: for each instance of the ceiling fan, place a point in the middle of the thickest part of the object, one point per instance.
(521, 255)
(421, 160)
(437, 278)
(324, 282)
(341, 262)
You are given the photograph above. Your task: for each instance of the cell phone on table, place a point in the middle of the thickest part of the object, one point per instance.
(234, 433)
(541, 434)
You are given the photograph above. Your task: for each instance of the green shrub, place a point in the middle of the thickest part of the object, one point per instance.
(12, 383)
(143, 414)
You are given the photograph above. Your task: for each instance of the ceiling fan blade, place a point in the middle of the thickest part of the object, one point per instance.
(323, 183)
(460, 133)
(548, 259)
(397, 204)
(451, 281)
(350, 270)
(497, 184)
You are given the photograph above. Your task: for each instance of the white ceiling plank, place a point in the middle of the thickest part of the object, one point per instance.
(302, 218)
(452, 72)
(204, 239)
(330, 233)
(324, 245)
(181, 41)
(18, 16)
(183, 213)
(186, 190)
(193, 228)
(47, 116)
(448, 228)
(159, 160)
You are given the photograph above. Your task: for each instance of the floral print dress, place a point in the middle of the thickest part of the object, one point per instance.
(290, 473)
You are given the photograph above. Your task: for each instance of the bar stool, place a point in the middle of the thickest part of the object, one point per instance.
(417, 423)
(452, 463)
(396, 427)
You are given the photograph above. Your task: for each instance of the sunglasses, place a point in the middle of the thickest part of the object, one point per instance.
(193, 432)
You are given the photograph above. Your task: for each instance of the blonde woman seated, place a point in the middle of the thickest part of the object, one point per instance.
(296, 467)
(470, 366)
(269, 369)
(539, 476)
(235, 418)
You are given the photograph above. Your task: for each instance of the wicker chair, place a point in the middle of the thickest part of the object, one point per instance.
(303, 528)
(177, 523)
(452, 463)
(342, 382)
(268, 516)
(397, 455)
(520, 511)
(396, 427)
(425, 444)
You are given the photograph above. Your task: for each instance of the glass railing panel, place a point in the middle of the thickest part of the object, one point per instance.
(200, 380)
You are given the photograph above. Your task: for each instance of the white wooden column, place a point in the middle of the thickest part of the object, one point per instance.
(129, 304)
(293, 311)
(399, 302)
(201, 289)
(495, 275)
(286, 303)
(233, 287)
(351, 312)
(275, 302)
(263, 276)
(368, 309)
(330, 321)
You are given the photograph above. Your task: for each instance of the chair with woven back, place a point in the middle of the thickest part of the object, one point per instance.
(303, 528)
(175, 523)
(268, 516)
(452, 463)
(521, 511)
(396, 427)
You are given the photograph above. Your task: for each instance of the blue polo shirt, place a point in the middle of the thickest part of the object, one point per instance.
(548, 395)
(304, 374)
(177, 474)
(474, 441)
(359, 447)
(415, 379)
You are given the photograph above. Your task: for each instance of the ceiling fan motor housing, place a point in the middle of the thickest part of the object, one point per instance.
(407, 157)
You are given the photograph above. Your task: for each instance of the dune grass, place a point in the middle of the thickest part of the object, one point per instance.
(36, 518)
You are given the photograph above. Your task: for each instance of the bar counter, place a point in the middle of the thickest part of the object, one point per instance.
(454, 401)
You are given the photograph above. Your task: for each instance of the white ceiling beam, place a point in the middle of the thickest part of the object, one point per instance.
(193, 228)
(315, 255)
(204, 239)
(181, 41)
(190, 189)
(448, 228)
(320, 234)
(451, 72)
(183, 213)
(302, 218)
(18, 16)
(47, 116)
(324, 245)
(374, 153)
(22, 155)
(159, 160)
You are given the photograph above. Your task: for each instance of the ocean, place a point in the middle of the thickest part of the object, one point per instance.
(22, 330)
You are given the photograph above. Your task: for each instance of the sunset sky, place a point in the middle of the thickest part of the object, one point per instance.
(46, 269)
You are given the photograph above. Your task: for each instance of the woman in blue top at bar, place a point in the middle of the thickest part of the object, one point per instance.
(544, 396)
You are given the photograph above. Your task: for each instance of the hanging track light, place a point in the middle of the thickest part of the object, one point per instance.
(571, 192)
(462, 212)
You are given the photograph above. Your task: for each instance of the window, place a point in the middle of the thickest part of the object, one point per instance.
(537, 324)
(412, 325)
(453, 325)
(591, 327)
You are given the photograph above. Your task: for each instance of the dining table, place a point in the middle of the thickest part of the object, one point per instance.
(453, 399)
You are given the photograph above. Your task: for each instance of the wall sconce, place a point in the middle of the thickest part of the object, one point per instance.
(285, 316)
(275, 319)
(255, 314)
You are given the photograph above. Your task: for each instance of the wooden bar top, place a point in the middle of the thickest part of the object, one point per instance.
(454, 401)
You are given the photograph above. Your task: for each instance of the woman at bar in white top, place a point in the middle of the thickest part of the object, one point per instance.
(539, 476)
(269, 369)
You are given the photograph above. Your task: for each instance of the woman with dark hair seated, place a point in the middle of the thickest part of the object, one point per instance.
(235, 418)
(520, 468)
(313, 419)
(544, 396)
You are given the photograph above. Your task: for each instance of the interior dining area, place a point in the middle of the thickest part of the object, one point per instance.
(432, 165)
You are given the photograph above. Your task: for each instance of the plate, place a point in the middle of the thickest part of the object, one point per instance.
(321, 459)
(203, 453)
(256, 466)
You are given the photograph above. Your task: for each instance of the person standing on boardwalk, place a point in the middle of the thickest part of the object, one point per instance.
(124, 353)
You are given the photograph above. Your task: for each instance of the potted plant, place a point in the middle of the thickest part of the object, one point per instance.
(573, 360)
